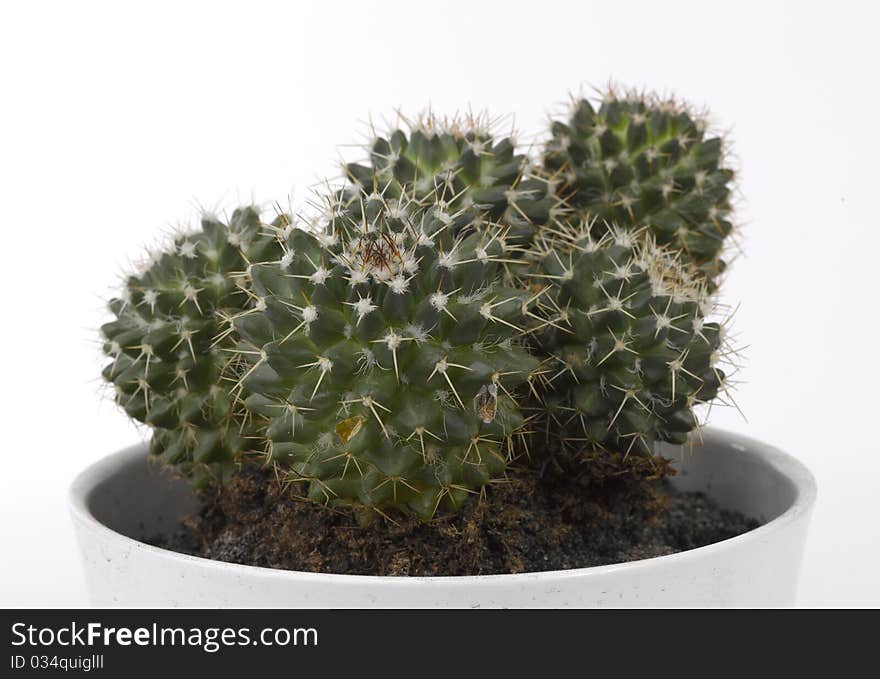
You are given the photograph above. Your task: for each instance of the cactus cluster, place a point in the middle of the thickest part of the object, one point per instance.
(451, 303)
(387, 361)
(631, 350)
(463, 167)
(639, 161)
(170, 355)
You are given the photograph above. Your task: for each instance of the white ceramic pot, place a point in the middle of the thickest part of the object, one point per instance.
(124, 497)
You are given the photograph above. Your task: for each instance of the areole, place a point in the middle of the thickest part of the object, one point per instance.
(123, 497)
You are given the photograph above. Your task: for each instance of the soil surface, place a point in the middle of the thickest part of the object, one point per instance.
(521, 525)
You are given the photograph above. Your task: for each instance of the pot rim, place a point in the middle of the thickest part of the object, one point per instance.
(803, 480)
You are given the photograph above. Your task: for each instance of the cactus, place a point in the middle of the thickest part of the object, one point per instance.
(459, 164)
(630, 350)
(171, 365)
(389, 358)
(386, 358)
(641, 161)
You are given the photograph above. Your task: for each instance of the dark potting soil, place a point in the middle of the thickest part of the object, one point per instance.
(521, 525)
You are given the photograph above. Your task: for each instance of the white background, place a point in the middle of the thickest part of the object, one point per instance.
(118, 120)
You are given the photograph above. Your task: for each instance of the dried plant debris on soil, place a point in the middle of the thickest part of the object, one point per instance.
(524, 524)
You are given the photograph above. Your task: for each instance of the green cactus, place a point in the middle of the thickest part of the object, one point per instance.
(386, 359)
(171, 366)
(630, 352)
(390, 357)
(641, 161)
(460, 165)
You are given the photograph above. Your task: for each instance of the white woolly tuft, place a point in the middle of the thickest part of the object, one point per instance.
(398, 284)
(363, 307)
(320, 276)
(309, 314)
(448, 260)
(187, 249)
(392, 340)
(416, 332)
(439, 300)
